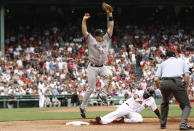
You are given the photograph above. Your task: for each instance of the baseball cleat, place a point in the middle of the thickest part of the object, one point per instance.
(186, 127)
(82, 112)
(162, 126)
(121, 120)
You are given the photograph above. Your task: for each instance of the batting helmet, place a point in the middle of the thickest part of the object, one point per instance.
(148, 92)
(99, 32)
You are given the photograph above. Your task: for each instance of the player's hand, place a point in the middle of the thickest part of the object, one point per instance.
(86, 16)
(136, 96)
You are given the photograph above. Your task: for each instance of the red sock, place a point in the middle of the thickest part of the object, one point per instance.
(114, 121)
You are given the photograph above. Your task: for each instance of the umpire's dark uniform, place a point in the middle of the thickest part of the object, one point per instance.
(170, 72)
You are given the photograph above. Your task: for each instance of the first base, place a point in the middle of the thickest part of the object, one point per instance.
(77, 123)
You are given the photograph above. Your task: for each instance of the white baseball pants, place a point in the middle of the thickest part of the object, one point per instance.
(122, 110)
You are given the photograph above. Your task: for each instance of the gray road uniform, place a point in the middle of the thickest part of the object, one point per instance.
(98, 52)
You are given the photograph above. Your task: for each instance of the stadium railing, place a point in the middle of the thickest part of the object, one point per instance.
(26, 100)
(33, 100)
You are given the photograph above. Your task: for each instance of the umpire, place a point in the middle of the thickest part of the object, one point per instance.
(172, 77)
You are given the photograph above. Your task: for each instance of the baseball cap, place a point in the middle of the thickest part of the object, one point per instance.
(170, 53)
(99, 32)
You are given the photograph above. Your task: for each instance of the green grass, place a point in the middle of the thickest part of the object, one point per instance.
(25, 114)
(174, 111)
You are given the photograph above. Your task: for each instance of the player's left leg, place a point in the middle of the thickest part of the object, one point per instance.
(133, 117)
(121, 111)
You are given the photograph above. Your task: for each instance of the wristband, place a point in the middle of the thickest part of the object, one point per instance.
(111, 18)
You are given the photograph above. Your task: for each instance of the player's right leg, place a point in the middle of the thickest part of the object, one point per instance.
(165, 87)
(92, 74)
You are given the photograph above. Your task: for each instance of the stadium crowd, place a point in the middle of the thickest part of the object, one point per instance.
(58, 57)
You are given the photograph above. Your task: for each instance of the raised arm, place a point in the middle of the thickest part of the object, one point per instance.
(84, 26)
(108, 9)
(110, 24)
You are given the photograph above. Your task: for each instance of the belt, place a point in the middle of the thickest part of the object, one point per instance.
(93, 65)
(170, 78)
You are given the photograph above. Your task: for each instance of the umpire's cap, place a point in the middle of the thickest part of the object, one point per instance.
(99, 32)
(170, 53)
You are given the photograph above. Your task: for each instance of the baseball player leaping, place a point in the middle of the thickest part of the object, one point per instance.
(98, 50)
(130, 109)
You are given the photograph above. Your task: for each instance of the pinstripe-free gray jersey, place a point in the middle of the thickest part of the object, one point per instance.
(98, 51)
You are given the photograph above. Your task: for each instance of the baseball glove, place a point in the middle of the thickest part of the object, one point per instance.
(106, 7)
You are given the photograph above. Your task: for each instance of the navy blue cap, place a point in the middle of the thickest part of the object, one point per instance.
(99, 32)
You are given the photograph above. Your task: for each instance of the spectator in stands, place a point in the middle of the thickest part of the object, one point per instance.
(11, 102)
(47, 102)
(110, 101)
(99, 100)
(74, 99)
(158, 94)
(51, 59)
(55, 101)
(64, 101)
(54, 91)
(143, 85)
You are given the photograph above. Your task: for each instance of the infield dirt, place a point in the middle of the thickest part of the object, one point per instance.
(149, 124)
